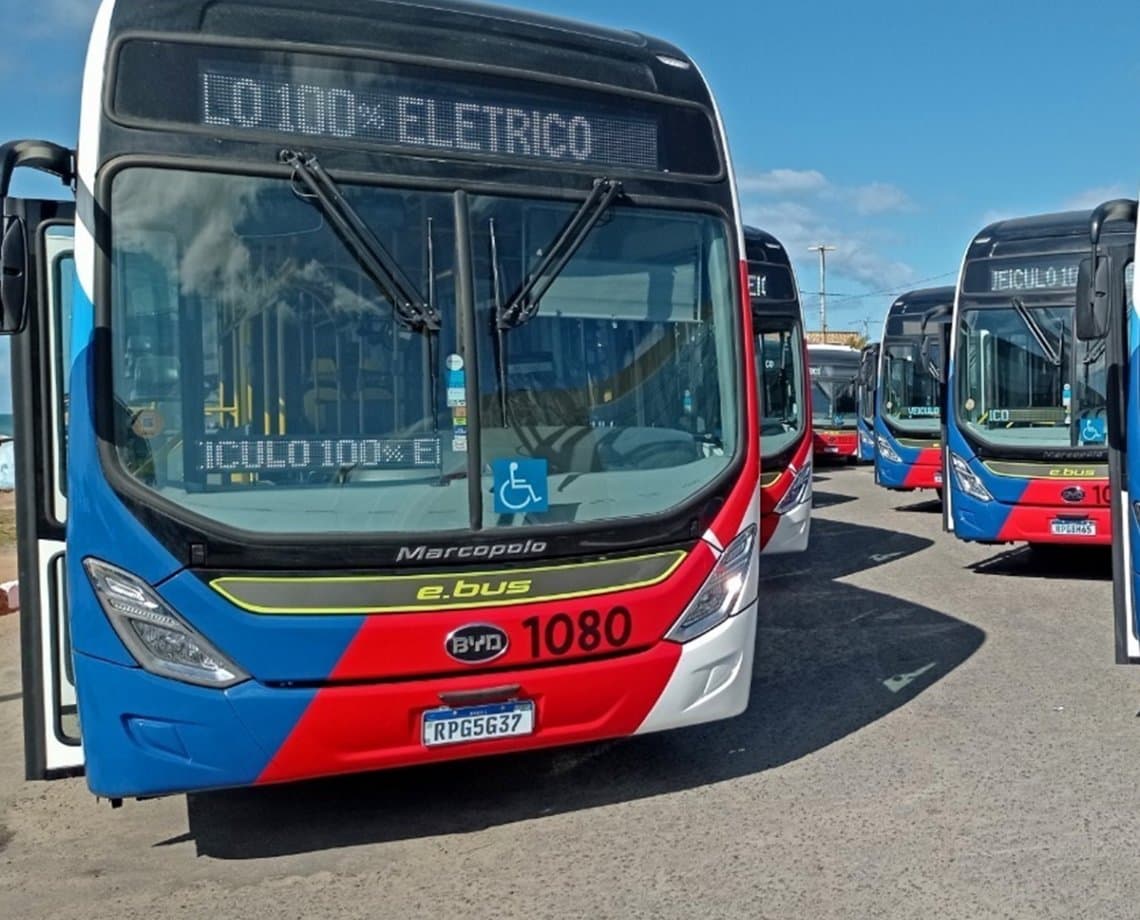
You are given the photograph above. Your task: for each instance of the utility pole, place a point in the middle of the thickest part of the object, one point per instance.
(823, 251)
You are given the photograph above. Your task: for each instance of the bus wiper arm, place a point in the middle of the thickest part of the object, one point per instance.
(413, 311)
(1094, 352)
(1052, 354)
(524, 304)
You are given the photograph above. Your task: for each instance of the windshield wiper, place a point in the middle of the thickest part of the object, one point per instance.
(1094, 351)
(524, 304)
(412, 309)
(1052, 354)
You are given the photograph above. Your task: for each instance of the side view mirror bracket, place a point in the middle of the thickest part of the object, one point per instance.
(1093, 304)
(14, 265)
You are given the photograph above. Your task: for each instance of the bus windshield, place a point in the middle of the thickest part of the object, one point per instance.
(910, 393)
(1023, 379)
(833, 398)
(262, 380)
(779, 372)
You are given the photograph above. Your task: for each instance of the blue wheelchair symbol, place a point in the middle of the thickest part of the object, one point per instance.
(838, 421)
(520, 486)
(1092, 431)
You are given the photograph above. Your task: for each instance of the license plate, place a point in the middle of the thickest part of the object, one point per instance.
(478, 723)
(1063, 528)
(830, 449)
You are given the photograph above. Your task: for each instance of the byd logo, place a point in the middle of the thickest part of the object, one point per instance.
(476, 643)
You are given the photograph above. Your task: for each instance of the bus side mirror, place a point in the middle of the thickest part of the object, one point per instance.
(931, 368)
(1092, 307)
(13, 277)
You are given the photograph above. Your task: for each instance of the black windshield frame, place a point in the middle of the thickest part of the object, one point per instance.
(182, 531)
(1059, 300)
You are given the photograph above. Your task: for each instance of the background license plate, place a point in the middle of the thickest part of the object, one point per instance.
(1074, 528)
(478, 723)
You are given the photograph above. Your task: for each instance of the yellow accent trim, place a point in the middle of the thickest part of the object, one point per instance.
(1047, 470)
(217, 583)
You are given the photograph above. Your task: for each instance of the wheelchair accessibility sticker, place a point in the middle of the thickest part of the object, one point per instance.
(520, 485)
(1092, 431)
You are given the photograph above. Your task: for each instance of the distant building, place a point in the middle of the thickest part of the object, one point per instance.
(836, 337)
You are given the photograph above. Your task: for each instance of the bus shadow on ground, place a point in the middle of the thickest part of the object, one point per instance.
(923, 506)
(1085, 563)
(829, 499)
(831, 659)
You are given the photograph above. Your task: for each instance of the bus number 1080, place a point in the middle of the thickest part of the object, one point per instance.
(592, 630)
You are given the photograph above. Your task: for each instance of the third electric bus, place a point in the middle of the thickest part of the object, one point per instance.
(782, 381)
(908, 417)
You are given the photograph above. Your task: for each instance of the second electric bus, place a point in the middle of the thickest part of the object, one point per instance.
(782, 383)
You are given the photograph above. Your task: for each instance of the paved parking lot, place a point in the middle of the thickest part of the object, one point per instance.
(936, 730)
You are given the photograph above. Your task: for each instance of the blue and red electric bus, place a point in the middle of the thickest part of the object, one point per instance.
(1026, 423)
(908, 397)
(408, 395)
(782, 384)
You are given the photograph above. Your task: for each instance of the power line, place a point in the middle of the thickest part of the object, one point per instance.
(891, 291)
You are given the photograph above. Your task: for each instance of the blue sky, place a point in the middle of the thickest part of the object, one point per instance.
(891, 129)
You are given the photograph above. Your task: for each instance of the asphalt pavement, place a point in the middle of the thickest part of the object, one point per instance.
(936, 730)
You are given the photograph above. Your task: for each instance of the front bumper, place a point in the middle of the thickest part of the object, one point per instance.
(996, 522)
(145, 735)
(836, 443)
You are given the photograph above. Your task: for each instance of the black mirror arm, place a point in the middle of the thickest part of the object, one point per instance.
(1117, 209)
(42, 155)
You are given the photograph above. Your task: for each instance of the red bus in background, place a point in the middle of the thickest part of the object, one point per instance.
(834, 370)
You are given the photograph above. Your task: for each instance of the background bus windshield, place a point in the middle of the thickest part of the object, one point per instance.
(1023, 379)
(262, 380)
(910, 393)
(833, 398)
(779, 371)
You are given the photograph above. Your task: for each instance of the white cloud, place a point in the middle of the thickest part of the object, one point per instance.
(872, 198)
(879, 198)
(784, 182)
(52, 15)
(803, 208)
(1091, 197)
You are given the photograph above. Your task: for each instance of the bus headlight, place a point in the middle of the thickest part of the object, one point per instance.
(160, 640)
(883, 446)
(797, 491)
(968, 481)
(719, 596)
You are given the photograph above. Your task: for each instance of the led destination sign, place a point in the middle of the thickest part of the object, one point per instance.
(1025, 275)
(395, 112)
(284, 454)
(770, 282)
(329, 99)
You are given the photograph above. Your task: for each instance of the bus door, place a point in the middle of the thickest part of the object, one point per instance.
(937, 327)
(868, 383)
(38, 286)
(1106, 315)
(1123, 462)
